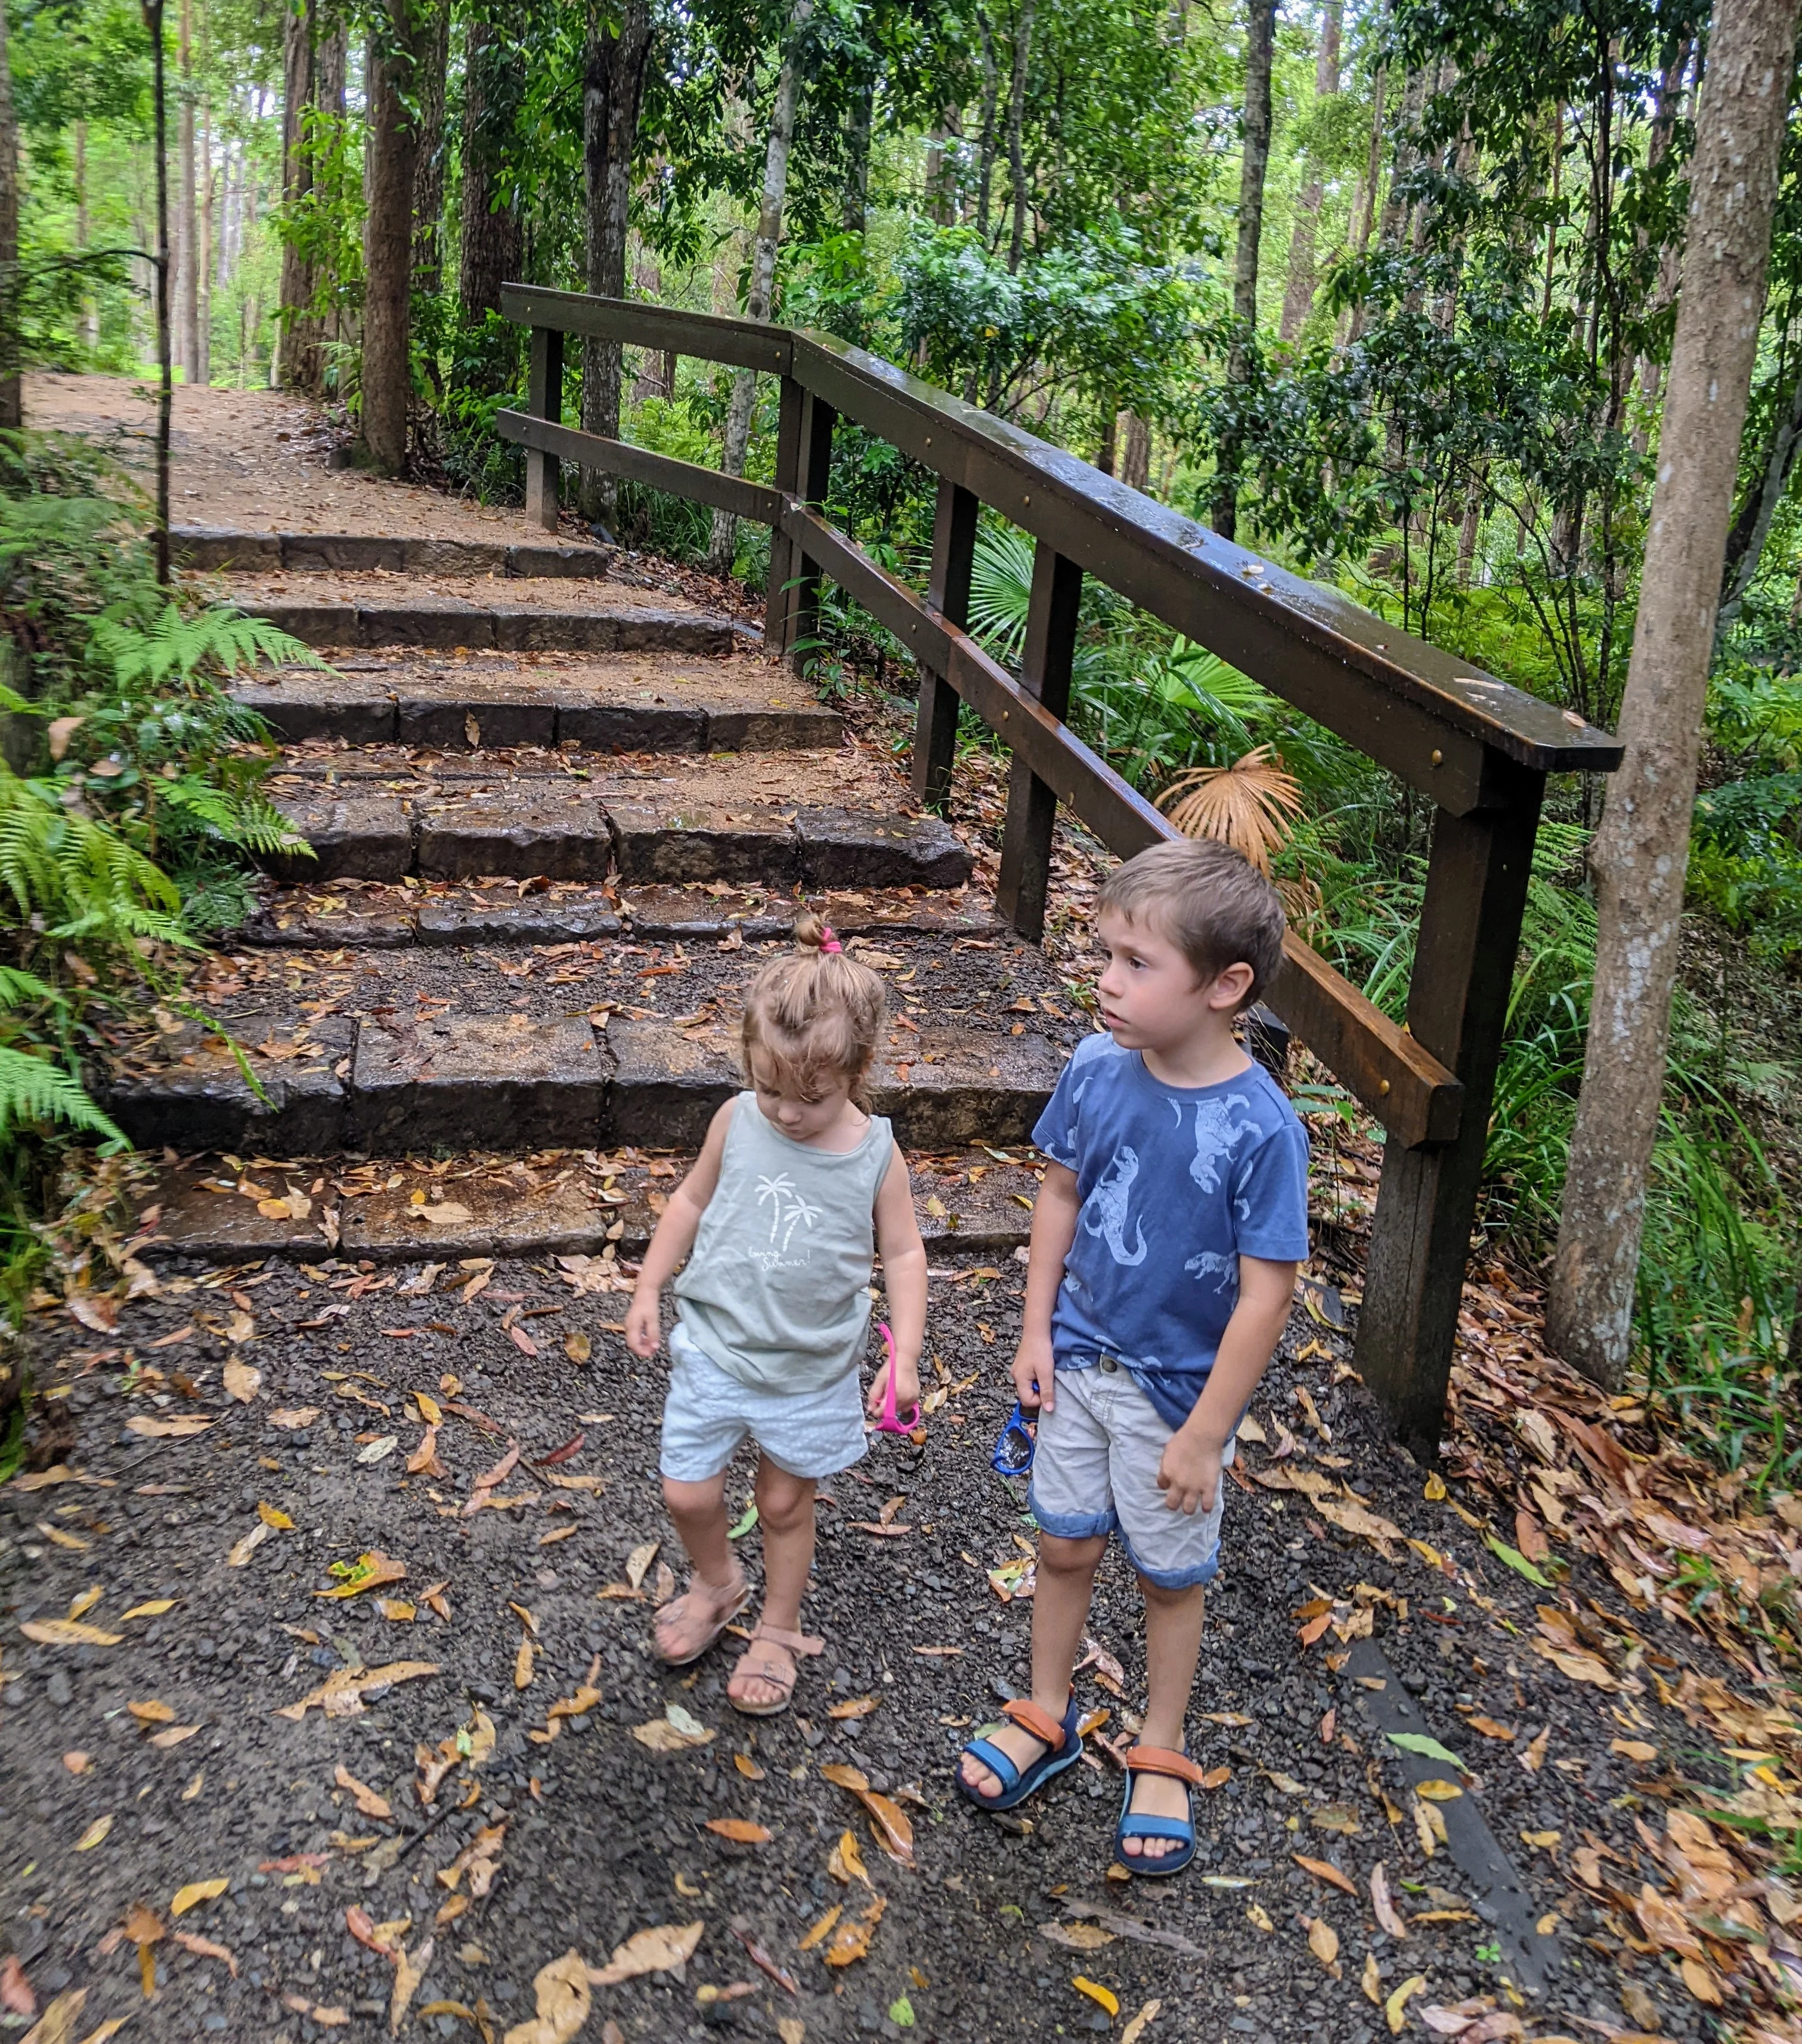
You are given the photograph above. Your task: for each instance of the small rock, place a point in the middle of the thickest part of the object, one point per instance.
(59, 1689)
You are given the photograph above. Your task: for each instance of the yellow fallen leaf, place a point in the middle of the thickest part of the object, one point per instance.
(1324, 1870)
(80, 1604)
(165, 1741)
(196, 1892)
(577, 1346)
(274, 1518)
(658, 1950)
(1533, 1759)
(58, 1538)
(1633, 1748)
(846, 1862)
(369, 1801)
(1430, 1825)
(523, 1666)
(823, 1930)
(95, 1833)
(1103, 1997)
(154, 1608)
(67, 1632)
(1323, 1941)
(1371, 1981)
(561, 1990)
(241, 1381)
(1433, 1490)
(1395, 2008)
(151, 1712)
(851, 1941)
(1438, 1791)
(747, 1767)
(1258, 1917)
(741, 1830)
(791, 2029)
(430, 1410)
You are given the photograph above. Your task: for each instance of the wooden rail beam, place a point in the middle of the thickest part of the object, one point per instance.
(662, 471)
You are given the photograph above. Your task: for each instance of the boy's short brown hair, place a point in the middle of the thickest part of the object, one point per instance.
(1209, 900)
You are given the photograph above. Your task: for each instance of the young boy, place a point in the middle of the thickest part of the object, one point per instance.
(1164, 1248)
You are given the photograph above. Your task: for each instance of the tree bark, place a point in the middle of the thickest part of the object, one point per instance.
(1299, 291)
(187, 305)
(763, 269)
(203, 253)
(165, 370)
(1136, 454)
(490, 220)
(428, 171)
(619, 47)
(854, 204)
(297, 332)
(398, 57)
(1016, 129)
(992, 93)
(1641, 851)
(1254, 165)
(12, 406)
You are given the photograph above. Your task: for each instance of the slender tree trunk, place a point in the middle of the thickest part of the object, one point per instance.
(1136, 454)
(297, 332)
(1299, 291)
(619, 47)
(165, 368)
(489, 252)
(1752, 524)
(1641, 851)
(187, 307)
(1016, 129)
(763, 268)
(991, 94)
(12, 402)
(1254, 165)
(203, 260)
(429, 172)
(398, 58)
(855, 204)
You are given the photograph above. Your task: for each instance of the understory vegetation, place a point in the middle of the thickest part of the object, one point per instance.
(131, 802)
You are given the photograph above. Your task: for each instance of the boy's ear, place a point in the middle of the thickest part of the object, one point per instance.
(1232, 988)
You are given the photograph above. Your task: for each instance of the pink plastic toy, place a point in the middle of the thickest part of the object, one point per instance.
(891, 1422)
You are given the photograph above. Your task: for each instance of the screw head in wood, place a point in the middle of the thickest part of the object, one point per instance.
(1438, 757)
(1383, 1086)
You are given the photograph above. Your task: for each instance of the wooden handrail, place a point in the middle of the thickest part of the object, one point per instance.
(1480, 748)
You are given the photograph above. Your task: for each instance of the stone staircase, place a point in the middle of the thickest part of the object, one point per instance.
(554, 838)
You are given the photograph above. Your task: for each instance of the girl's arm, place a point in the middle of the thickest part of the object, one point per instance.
(1054, 1230)
(904, 1279)
(674, 1238)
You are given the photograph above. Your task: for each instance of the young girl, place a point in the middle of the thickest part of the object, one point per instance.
(796, 1185)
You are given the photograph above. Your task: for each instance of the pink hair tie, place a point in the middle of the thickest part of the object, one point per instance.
(828, 941)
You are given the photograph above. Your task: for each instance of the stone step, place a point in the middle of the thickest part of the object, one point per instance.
(379, 1083)
(557, 827)
(380, 915)
(562, 1203)
(514, 614)
(496, 702)
(209, 548)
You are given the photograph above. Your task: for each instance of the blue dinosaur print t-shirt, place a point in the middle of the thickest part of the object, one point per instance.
(1176, 1183)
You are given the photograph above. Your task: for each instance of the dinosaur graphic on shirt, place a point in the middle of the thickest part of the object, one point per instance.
(1108, 1208)
(1215, 1263)
(1217, 1137)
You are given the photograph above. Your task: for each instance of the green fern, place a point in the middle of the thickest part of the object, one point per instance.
(33, 1090)
(217, 639)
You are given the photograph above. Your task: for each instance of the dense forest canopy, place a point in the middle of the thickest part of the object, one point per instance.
(1386, 287)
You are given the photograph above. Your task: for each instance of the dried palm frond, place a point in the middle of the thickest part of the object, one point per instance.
(1247, 805)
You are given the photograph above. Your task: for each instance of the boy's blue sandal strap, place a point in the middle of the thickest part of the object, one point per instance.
(1177, 1831)
(1061, 1744)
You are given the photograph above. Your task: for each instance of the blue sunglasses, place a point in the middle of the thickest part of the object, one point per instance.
(1014, 1450)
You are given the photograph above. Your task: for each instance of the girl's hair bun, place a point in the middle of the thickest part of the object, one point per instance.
(808, 931)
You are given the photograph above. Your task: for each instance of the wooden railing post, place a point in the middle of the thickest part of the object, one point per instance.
(778, 597)
(948, 592)
(544, 398)
(1032, 806)
(815, 475)
(1458, 1010)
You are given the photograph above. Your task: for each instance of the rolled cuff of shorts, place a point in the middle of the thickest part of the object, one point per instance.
(1072, 1525)
(1173, 1579)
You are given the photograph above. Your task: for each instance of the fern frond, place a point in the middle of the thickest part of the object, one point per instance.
(33, 1089)
(17, 986)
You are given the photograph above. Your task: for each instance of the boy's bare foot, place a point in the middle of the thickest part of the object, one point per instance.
(1156, 1796)
(1017, 1742)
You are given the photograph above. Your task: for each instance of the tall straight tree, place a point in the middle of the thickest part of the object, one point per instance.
(11, 412)
(297, 334)
(763, 266)
(401, 49)
(428, 170)
(1641, 851)
(1254, 167)
(613, 80)
(489, 237)
(1298, 290)
(187, 236)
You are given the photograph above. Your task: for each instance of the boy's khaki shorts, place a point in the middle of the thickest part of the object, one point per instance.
(1095, 1470)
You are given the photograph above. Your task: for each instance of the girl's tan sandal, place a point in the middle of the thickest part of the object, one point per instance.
(686, 1628)
(771, 1657)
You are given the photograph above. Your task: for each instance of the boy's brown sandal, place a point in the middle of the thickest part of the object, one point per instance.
(771, 1657)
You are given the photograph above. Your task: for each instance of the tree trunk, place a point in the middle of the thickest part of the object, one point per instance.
(203, 254)
(991, 94)
(1016, 125)
(297, 332)
(1641, 851)
(619, 47)
(1135, 455)
(854, 205)
(398, 56)
(763, 268)
(1298, 292)
(1752, 526)
(1260, 32)
(428, 171)
(187, 306)
(165, 370)
(490, 220)
(12, 405)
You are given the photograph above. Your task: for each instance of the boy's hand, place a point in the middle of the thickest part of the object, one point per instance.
(1188, 1474)
(644, 1322)
(1035, 1374)
(906, 1386)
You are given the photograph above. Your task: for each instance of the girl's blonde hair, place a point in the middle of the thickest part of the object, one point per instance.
(816, 1013)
